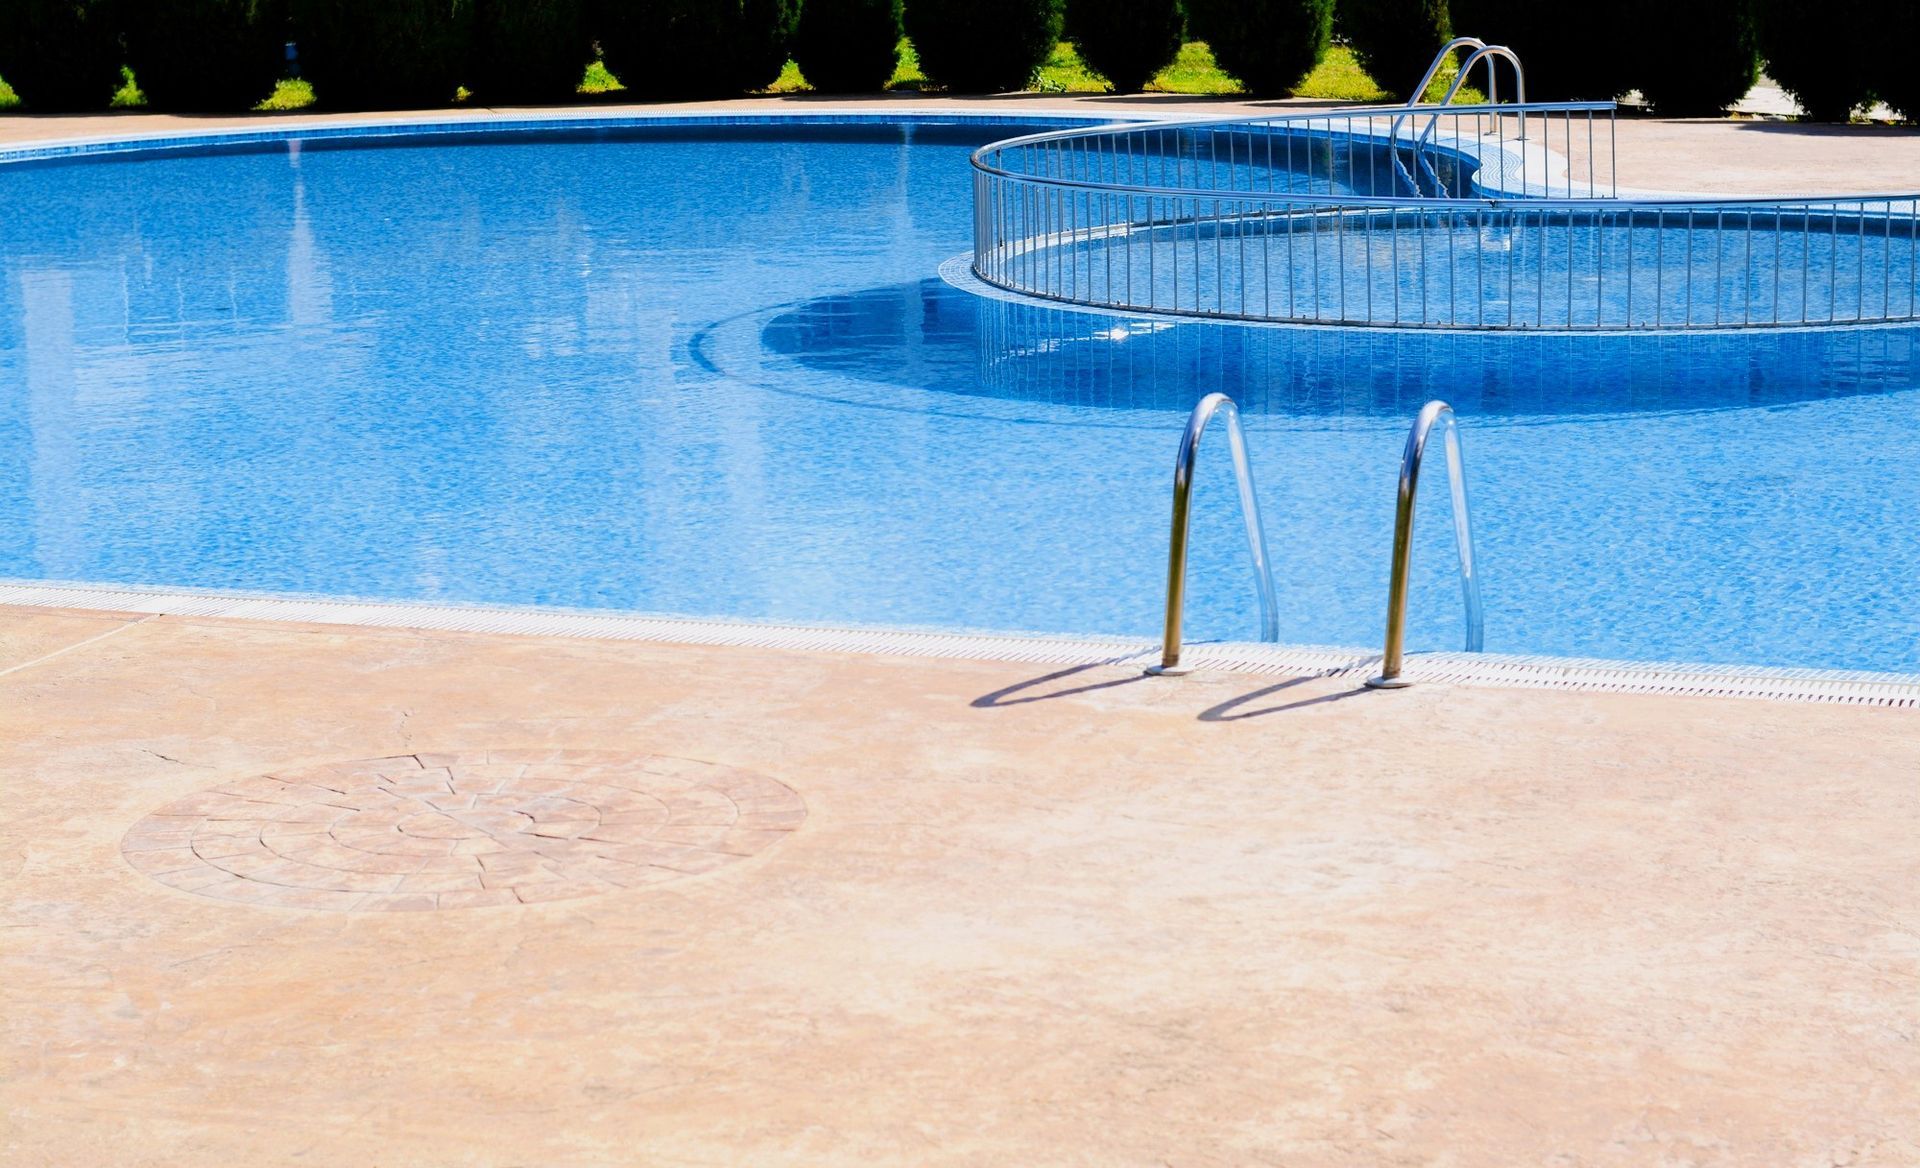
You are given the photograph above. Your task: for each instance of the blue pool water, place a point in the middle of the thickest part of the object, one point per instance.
(1510, 269)
(716, 374)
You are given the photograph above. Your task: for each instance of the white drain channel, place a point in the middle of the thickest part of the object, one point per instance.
(1484, 669)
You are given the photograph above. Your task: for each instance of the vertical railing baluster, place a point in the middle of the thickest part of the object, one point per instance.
(1833, 265)
(1748, 281)
(1687, 319)
(1886, 260)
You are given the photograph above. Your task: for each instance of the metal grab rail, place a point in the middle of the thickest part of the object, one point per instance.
(1487, 53)
(1391, 659)
(1492, 77)
(1182, 511)
(1482, 51)
(1415, 101)
(1440, 58)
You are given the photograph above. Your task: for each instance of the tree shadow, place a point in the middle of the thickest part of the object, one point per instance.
(1004, 697)
(1880, 130)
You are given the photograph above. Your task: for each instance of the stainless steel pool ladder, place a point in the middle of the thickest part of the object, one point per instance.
(1481, 51)
(1435, 413)
(1183, 465)
(1439, 60)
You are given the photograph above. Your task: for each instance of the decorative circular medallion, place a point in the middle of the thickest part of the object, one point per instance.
(432, 831)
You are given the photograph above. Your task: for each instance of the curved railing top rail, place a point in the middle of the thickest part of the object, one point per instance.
(1784, 204)
(1338, 156)
(982, 158)
(997, 160)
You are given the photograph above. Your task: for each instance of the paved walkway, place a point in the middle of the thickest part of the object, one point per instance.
(971, 913)
(1721, 156)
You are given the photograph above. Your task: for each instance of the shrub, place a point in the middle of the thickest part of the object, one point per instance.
(1703, 60)
(1126, 41)
(848, 46)
(1895, 78)
(1813, 49)
(206, 54)
(1560, 45)
(1269, 45)
(528, 50)
(59, 54)
(1395, 40)
(694, 48)
(983, 46)
(373, 54)
(762, 39)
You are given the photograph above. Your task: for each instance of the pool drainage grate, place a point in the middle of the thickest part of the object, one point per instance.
(1475, 669)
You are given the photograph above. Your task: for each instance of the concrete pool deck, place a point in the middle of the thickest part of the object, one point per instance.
(1749, 156)
(1029, 915)
(1011, 914)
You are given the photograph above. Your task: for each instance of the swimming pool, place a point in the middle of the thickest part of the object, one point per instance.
(712, 370)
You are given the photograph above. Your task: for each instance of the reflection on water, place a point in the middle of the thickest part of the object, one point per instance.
(932, 335)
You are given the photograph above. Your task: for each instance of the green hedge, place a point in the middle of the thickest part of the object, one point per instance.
(983, 46)
(1562, 45)
(1126, 41)
(528, 51)
(848, 46)
(1815, 50)
(1268, 45)
(383, 54)
(206, 55)
(1704, 59)
(1395, 40)
(694, 48)
(1895, 76)
(60, 55)
(1688, 57)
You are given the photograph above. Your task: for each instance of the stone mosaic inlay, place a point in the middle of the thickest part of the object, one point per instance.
(433, 831)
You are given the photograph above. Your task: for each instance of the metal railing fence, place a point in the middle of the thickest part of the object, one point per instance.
(1421, 217)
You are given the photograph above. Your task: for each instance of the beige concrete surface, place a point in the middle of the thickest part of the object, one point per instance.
(1086, 919)
(26, 637)
(1748, 156)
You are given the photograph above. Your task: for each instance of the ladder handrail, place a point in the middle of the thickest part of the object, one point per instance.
(1487, 53)
(1392, 657)
(1439, 59)
(1414, 102)
(1482, 51)
(1493, 98)
(1183, 466)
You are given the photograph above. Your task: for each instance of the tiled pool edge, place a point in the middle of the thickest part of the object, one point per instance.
(441, 126)
(1476, 669)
